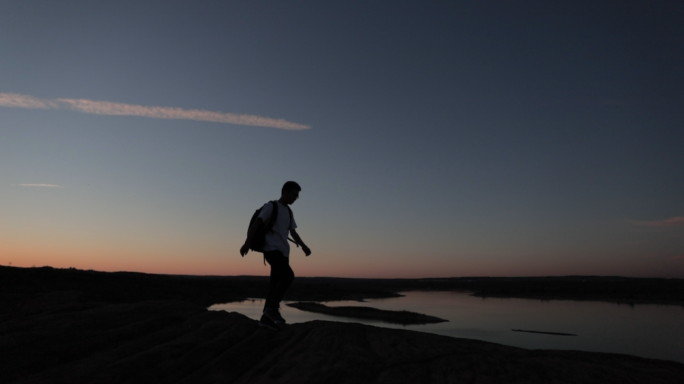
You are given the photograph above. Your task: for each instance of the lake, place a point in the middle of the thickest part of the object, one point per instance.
(653, 331)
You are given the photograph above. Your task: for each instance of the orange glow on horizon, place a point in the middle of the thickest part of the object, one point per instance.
(320, 264)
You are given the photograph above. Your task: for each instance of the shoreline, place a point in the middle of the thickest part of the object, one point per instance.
(19, 285)
(609, 300)
(165, 341)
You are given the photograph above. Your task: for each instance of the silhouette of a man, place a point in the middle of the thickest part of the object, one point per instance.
(277, 251)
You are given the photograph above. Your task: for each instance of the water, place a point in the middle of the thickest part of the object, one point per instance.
(652, 331)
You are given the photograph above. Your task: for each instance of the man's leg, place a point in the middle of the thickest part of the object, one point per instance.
(281, 278)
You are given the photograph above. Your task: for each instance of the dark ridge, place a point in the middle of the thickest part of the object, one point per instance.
(394, 317)
(19, 285)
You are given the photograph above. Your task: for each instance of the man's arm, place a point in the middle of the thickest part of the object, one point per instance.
(250, 233)
(299, 241)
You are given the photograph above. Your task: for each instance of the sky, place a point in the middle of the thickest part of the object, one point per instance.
(430, 139)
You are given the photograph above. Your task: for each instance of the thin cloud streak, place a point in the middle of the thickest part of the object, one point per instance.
(42, 185)
(672, 222)
(13, 100)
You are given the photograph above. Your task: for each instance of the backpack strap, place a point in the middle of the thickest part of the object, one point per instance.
(272, 220)
(274, 215)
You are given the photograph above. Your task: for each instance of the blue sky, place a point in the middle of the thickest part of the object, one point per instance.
(442, 139)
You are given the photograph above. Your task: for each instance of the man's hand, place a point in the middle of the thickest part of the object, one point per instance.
(244, 249)
(306, 250)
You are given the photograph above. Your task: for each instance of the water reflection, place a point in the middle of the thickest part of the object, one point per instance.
(643, 330)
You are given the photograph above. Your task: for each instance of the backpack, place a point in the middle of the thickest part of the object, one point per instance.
(259, 238)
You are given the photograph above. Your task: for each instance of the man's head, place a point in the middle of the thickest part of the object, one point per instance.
(290, 192)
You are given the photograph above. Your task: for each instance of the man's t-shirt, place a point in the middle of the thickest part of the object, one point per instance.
(276, 240)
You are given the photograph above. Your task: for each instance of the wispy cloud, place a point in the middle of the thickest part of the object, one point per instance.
(42, 185)
(671, 222)
(13, 100)
(677, 257)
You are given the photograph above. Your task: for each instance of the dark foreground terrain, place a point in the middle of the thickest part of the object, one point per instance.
(180, 342)
(394, 317)
(70, 326)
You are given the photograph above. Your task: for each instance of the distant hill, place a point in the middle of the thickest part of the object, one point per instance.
(19, 285)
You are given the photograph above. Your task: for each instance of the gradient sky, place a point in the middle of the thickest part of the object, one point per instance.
(431, 139)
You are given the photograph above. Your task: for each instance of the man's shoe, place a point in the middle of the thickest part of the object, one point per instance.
(266, 322)
(274, 315)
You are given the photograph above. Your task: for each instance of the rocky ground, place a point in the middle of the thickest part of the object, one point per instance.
(57, 338)
(69, 326)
